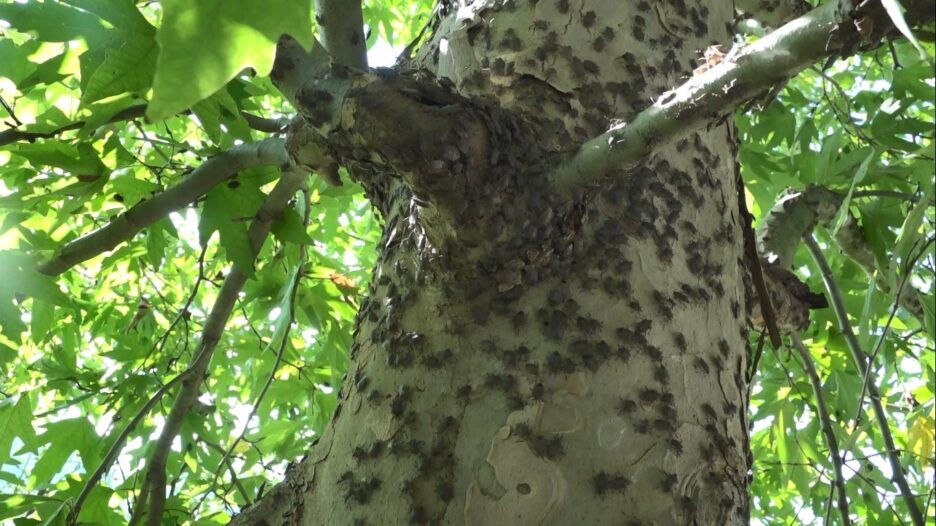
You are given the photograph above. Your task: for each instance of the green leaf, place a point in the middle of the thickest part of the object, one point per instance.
(127, 68)
(47, 72)
(57, 517)
(61, 155)
(156, 243)
(291, 229)
(43, 319)
(877, 234)
(872, 306)
(229, 211)
(64, 438)
(209, 115)
(910, 82)
(57, 22)
(15, 423)
(285, 304)
(18, 275)
(14, 60)
(14, 505)
(859, 176)
(11, 324)
(910, 233)
(228, 36)
(54, 22)
(101, 113)
(132, 188)
(122, 14)
(830, 149)
(929, 313)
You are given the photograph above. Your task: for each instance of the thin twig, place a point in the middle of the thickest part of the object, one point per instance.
(122, 437)
(160, 344)
(10, 111)
(133, 112)
(893, 312)
(294, 288)
(826, 422)
(153, 489)
(848, 107)
(227, 461)
(913, 198)
(861, 361)
(882, 495)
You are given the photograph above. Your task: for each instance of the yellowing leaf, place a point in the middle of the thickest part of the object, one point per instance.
(344, 283)
(921, 438)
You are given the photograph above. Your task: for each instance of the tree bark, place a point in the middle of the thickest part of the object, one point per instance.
(524, 356)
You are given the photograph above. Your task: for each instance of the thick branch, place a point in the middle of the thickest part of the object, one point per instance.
(795, 215)
(294, 67)
(826, 422)
(743, 75)
(341, 26)
(154, 483)
(438, 141)
(196, 184)
(851, 239)
(861, 361)
(791, 299)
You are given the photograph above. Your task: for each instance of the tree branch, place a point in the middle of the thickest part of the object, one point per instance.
(826, 422)
(201, 180)
(154, 483)
(264, 124)
(350, 116)
(297, 275)
(913, 198)
(230, 466)
(851, 239)
(13, 135)
(118, 443)
(861, 361)
(341, 26)
(744, 74)
(795, 215)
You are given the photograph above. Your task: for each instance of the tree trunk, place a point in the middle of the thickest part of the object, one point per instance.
(529, 356)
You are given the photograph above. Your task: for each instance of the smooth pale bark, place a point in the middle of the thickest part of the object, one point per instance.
(530, 358)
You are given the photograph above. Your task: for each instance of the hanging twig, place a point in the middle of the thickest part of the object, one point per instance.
(861, 361)
(897, 303)
(153, 489)
(294, 288)
(12, 135)
(122, 437)
(826, 422)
